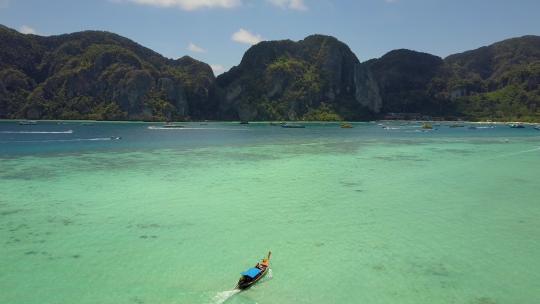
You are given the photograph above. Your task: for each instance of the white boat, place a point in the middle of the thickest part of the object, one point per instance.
(292, 126)
(27, 122)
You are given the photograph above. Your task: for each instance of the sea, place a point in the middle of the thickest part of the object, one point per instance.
(384, 212)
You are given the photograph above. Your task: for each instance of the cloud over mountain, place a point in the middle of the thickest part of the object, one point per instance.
(246, 37)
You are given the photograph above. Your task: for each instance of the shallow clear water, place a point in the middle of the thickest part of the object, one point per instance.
(363, 215)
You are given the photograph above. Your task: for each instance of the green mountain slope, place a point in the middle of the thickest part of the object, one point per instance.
(405, 79)
(98, 75)
(318, 78)
(498, 82)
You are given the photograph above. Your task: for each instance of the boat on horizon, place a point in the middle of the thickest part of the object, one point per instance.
(172, 126)
(292, 126)
(516, 126)
(254, 274)
(27, 122)
(427, 126)
(346, 126)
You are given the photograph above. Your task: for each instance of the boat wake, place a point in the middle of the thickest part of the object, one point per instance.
(517, 153)
(223, 296)
(60, 140)
(179, 129)
(37, 132)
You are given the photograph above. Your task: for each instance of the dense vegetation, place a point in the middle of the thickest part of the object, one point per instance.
(98, 75)
(103, 76)
(318, 78)
(498, 82)
(406, 79)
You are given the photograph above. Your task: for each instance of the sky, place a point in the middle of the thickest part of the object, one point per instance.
(218, 32)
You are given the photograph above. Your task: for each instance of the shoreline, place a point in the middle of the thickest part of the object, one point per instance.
(271, 121)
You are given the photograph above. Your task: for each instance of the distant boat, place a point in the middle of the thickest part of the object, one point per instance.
(427, 126)
(537, 128)
(172, 126)
(244, 122)
(116, 137)
(27, 122)
(346, 126)
(87, 124)
(456, 126)
(516, 126)
(292, 126)
(254, 274)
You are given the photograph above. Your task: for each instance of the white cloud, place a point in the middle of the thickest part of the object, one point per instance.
(189, 5)
(298, 5)
(244, 36)
(25, 29)
(217, 68)
(192, 47)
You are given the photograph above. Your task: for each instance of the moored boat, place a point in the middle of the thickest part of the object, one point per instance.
(254, 274)
(346, 126)
(27, 122)
(172, 126)
(427, 126)
(516, 126)
(292, 126)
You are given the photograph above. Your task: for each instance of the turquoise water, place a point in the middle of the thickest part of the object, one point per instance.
(363, 215)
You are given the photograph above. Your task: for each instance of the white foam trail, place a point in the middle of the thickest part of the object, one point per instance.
(517, 153)
(179, 129)
(269, 276)
(37, 132)
(223, 296)
(58, 140)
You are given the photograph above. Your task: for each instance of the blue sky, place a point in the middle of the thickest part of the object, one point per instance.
(218, 32)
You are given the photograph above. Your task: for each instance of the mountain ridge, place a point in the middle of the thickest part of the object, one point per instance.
(102, 75)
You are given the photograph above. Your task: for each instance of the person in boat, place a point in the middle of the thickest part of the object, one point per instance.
(263, 264)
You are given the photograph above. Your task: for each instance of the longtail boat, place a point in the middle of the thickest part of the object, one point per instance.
(292, 126)
(254, 274)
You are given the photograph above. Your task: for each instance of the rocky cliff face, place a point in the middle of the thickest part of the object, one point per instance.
(279, 80)
(404, 78)
(98, 75)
